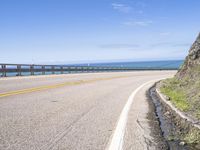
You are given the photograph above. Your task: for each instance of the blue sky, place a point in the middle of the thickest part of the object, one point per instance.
(74, 31)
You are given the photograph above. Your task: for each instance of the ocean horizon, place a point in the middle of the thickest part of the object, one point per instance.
(162, 64)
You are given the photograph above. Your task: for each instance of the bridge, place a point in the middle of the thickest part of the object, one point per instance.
(97, 111)
(34, 69)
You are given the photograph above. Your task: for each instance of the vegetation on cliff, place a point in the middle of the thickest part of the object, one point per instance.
(184, 89)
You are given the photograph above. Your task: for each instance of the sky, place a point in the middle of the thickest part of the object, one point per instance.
(86, 31)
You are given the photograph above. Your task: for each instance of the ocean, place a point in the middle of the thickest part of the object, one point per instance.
(169, 64)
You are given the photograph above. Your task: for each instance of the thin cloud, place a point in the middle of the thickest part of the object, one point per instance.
(170, 44)
(118, 46)
(138, 23)
(165, 33)
(182, 45)
(136, 47)
(121, 7)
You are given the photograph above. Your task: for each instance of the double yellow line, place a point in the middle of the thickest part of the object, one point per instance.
(46, 87)
(29, 90)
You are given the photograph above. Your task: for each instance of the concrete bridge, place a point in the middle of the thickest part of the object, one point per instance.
(34, 69)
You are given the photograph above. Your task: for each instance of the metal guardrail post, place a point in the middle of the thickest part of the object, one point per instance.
(3, 67)
(61, 69)
(1, 71)
(43, 70)
(19, 71)
(32, 69)
(74, 69)
(68, 69)
(53, 69)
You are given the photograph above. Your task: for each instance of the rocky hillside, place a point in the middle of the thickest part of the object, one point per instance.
(184, 89)
(191, 65)
(184, 92)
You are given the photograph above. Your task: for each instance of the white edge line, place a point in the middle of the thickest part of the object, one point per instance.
(116, 142)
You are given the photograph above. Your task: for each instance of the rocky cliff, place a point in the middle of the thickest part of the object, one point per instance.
(191, 66)
(184, 92)
(184, 89)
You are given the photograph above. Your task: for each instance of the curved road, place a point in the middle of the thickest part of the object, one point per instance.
(76, 111)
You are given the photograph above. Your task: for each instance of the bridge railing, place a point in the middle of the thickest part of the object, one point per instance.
(34, 69)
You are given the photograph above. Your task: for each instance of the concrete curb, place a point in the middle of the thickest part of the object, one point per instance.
(181, 114)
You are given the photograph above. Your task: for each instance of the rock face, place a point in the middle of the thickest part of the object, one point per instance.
(184, 92)
(191, 65)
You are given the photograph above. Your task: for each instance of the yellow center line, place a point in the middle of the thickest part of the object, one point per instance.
(46, 87)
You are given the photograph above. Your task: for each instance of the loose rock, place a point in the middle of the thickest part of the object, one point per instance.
(182, 143)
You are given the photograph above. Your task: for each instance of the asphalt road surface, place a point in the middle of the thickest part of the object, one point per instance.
(93, 111)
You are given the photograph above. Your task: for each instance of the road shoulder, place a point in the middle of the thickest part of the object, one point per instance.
(142, 130)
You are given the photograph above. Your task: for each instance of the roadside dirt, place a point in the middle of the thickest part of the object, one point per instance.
(167, 128)
(155, 125)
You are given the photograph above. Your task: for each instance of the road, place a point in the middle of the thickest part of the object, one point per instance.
(76, 111)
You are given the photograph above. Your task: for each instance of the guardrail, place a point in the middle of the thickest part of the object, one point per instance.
(33, 69)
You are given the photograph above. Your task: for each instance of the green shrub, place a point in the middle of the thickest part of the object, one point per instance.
(177, 95)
